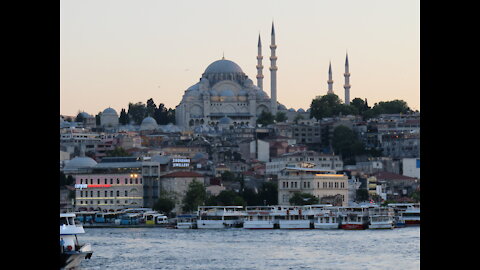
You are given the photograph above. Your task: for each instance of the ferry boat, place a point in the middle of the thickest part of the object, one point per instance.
(326, 219)
(353, 218)
(260, 217)
(186, 221)
(380, 218)
(291, 217)
(406, 214)
(71, 251)
(219, 217)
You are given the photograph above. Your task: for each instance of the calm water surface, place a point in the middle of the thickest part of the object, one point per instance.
(161, 248)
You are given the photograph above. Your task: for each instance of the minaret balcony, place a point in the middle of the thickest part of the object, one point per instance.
(273, 68)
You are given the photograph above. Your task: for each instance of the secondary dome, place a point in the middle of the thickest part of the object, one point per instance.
(80, 162)
(223, 66)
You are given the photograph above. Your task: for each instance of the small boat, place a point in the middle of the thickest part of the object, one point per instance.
(186, 221)
(353, 218)
(219, 217)
(380, 218)
(71, 251)
(259, 217)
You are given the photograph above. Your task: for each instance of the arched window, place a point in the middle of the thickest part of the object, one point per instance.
(126, 193)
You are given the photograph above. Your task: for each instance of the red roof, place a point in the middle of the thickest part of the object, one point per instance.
(181, 174)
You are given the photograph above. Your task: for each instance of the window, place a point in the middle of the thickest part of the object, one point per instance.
(91, 193)
(118, 181)
(126, 193)
(81, 193)
(106, 195)
(118, 193)
(136, 180)
(126, 181)
(98, 193)
(98, 181)
(81, 181)
(111, 193)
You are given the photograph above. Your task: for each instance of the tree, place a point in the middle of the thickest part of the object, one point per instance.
(136, 112)
(268, 193)
(194, 197)
(66, 180)
(346, 143)
(265, 118)
(164, 205)
(226, 197)
(118, 152)
(300, 198)
(325, 106)
(123, 118)
(281, 117)
(151, 107)
(361, 195)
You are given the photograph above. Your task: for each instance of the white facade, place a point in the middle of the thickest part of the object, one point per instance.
(411, 167)
(320, 183)
(321, 161)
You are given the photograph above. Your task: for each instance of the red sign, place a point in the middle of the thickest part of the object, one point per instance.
(98, 186)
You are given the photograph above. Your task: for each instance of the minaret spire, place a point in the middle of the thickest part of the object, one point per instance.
(347, 82)
(273, 73)
(330, 81)
(259, 64)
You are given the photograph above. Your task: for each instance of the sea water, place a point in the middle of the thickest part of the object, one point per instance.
(236, 248)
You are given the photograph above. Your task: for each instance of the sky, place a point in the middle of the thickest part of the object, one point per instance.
(113, 52)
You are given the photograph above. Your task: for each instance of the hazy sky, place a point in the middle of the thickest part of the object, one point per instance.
(113, 52)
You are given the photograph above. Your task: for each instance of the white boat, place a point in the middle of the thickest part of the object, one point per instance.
(291, 217)
(71, 251)
(326, 219)
(381, 218)
(219, 217)
(186, 221)
(406, 213)
(259, 217)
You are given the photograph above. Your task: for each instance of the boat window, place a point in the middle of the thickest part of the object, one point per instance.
(63, 221)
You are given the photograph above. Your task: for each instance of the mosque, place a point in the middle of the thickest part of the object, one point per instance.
(225, 95)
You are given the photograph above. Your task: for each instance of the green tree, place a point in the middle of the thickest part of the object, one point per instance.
(228, 197)
(150, 108)
(164, 205)
(136, 112)
(281, 117)
(300, 198)
(325, 106)
(361, 195)
(118, 152)
(265, 118)
(194, 197)
(268, 193)
(346, 143)
(123, 118)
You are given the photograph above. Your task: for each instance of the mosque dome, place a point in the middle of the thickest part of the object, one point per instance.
(213, 93)
(243, 92)
(301, 110)
(227, 93)
(291, 110)
(282, 107)
(225, 120)
(80, 162)
(148, 123)
(109, 111)
(223, 66)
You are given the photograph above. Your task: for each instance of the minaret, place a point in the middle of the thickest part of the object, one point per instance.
(273, 74)
(259, 64)
(347, 82)
(330, 81)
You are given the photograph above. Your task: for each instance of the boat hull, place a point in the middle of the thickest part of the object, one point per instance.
(258, 225)
(381, 225)
(294, 224)
(412, 222)
(325, 226)
(72, 259)
(353, 226)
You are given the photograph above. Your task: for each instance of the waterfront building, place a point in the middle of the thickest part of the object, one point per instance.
(411, 167)
(318, 182)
